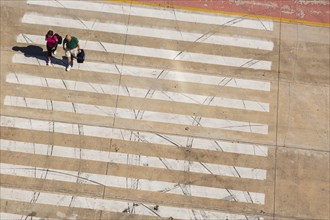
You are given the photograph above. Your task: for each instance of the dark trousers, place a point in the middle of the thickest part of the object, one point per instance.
(51, 49)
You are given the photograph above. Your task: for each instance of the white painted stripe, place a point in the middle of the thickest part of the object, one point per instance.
(150, 93)
(169, 140)
(136, 114)
(10, 216)
(163, 13)
(172, 34)
(121, 158)
(195, 143)
(110, 205)
(160, 53)
(167, 74)
(164, 139)
(199, 78)
(132, 183)
(237, 41)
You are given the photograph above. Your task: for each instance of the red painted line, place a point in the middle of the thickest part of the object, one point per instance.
(317, 11)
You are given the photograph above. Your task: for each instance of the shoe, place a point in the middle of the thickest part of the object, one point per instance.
(54, 52)
(68, 68)
(49, 63)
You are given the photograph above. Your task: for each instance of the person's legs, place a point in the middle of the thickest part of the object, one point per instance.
(55, 48)
(68, 56)
(49, 54)
(69, 61)
(74, 52)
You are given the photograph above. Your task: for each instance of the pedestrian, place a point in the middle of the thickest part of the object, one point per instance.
(52, 42)
(71, 47)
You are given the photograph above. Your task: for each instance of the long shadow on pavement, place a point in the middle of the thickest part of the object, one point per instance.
(38, 53)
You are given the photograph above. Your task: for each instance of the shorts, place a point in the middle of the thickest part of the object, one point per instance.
(72, 52)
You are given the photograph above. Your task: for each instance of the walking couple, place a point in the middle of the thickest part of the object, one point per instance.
(70, 46)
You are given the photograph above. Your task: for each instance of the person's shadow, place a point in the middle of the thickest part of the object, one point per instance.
(38, 53)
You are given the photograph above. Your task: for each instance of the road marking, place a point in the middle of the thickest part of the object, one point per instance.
(161, 73)
(109, 205)
(25, 79)
(138, 184)
(161, 53)
(150, 140)
(162, 13)
(17, 105)
(38, 19)
(134, 114)
(10, 216)
(116, 157)
(222, 13)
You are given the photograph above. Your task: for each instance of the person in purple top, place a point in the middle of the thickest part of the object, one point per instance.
(52, 42)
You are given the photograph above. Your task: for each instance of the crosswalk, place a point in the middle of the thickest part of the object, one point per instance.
(171, 115)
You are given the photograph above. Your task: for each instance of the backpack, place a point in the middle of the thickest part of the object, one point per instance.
(59, 38)
(81, 56)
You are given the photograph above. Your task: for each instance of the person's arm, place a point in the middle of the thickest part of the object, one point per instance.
(78, 45)
(64, 44)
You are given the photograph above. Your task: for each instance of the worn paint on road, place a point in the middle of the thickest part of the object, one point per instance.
(310, 12)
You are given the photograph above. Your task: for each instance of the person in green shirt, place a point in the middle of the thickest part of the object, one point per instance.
(72, 48)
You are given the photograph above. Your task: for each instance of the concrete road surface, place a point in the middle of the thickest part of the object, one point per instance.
(175, 114)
